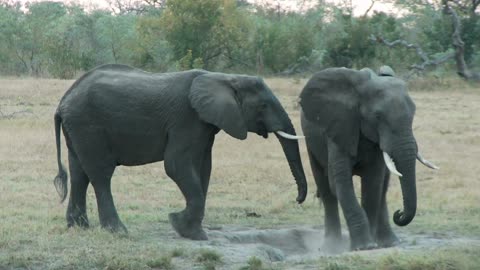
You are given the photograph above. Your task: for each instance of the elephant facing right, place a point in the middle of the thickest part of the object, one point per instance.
(359, 123)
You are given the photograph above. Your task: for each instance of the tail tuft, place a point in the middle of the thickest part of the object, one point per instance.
(60, 183)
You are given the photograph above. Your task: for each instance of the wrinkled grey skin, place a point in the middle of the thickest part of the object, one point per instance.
(349, 118)
(117, 115)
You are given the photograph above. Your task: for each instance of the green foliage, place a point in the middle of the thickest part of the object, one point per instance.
(280, 40)
(187, 62)
(209, 30)
(63, 40)
(471, 37)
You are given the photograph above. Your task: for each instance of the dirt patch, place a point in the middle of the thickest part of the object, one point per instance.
(236, 245)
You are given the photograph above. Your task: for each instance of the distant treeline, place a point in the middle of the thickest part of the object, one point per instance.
(52, 39)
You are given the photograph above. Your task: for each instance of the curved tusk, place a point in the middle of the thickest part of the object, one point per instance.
(289, 136)
(426, 162)
(390, 165)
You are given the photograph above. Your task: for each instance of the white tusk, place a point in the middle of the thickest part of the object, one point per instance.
(390, 165)
(426, 162)
(289, 136)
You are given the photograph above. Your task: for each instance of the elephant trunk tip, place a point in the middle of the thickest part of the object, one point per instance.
(401, 218)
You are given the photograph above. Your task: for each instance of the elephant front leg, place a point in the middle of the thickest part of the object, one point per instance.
(333, 232)
(206, 165)
(181, 165)
(385, 235)
(340, 169)
(372, 188)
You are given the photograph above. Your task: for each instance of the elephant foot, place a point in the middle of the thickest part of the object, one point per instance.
(115, 227)
(190, 230)
(362, 244)
(78, 220)
(389, 240)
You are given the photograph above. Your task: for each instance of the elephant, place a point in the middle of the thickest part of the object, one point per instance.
(119, 115)
(359, 123)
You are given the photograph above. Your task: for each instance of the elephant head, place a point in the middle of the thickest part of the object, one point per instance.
(350, 104)
(239, 104)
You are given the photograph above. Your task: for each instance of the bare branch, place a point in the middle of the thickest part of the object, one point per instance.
(401, 42)
(369, 8)
(415, 68)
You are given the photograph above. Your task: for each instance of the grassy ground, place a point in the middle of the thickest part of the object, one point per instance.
(248, 176)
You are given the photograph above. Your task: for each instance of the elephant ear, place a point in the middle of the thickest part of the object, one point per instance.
(331, 100)
(214, 98)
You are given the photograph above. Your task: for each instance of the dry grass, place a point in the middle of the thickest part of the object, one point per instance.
(247, 176)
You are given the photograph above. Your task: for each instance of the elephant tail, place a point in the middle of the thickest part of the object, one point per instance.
(60, 180)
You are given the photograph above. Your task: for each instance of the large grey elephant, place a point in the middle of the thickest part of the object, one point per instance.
(118, 115)
(359, 123)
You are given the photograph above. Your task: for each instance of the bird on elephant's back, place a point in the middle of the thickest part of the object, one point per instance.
(118, 115)
(357, 122)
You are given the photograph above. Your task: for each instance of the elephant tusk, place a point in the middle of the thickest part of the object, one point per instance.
(289, 136)
(390, 164)
(426, 162)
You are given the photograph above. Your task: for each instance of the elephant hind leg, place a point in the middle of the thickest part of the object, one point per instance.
(333, 230)
(107, 212)
(92, 151)
(77, 207)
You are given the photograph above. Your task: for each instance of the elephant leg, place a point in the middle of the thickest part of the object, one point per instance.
(385, 235)
(77, 206)
(181, 164)
(207, 166)
(101, 181)
(372, 188)
(340, 170)
(91, 147)
(333, 231)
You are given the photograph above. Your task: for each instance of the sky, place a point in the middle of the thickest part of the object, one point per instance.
(360, 6)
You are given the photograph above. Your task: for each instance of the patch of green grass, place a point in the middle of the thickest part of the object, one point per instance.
(209, 255)
(178, 252)
(254, 263)
(463, 258)
(209, 259)
(163, 262)
(336, 266)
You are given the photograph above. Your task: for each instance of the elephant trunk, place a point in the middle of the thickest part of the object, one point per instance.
(292, 153)
(405, 159)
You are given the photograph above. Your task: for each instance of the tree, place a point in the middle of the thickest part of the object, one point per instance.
(211, 29)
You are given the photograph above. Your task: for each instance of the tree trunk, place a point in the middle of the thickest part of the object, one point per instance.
(458, 44)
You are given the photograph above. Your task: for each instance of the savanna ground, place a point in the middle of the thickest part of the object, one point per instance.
(252, 218)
